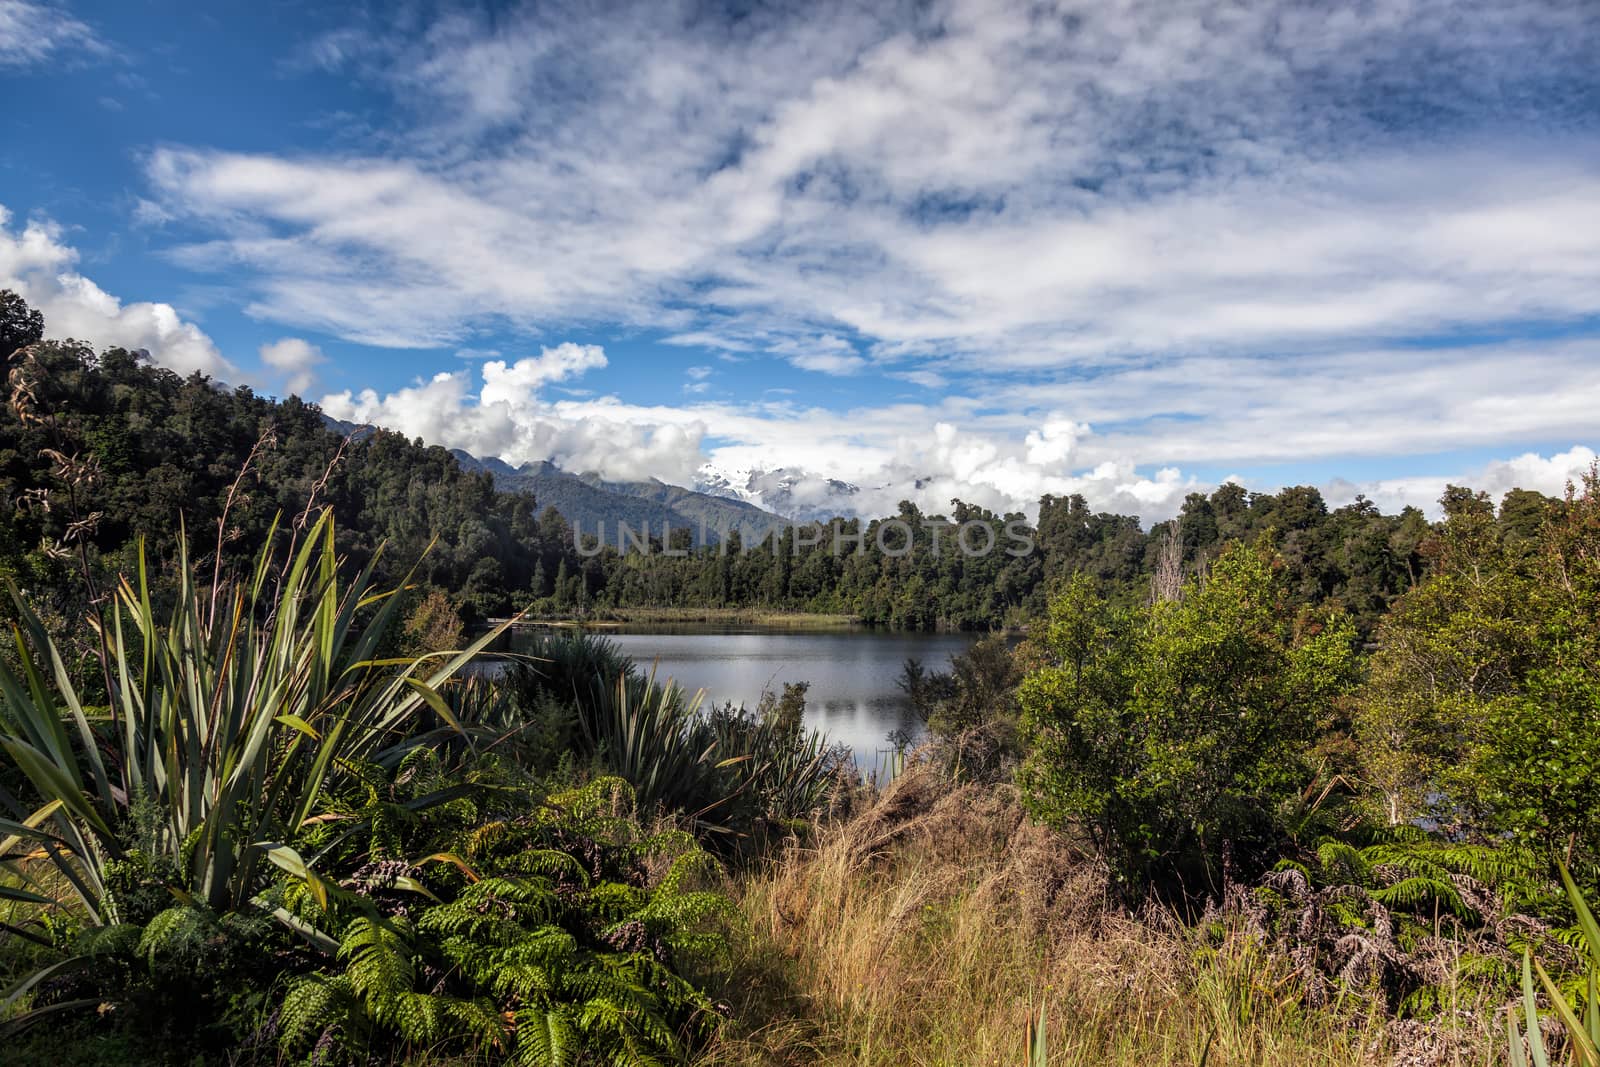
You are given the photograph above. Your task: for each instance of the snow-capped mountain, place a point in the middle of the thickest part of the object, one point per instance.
(795, 494)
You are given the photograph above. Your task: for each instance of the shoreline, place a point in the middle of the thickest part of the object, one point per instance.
(617, 618)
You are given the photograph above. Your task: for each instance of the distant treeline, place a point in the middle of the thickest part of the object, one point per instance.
(100, 450)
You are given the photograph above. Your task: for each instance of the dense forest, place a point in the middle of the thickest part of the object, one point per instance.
(139, 444)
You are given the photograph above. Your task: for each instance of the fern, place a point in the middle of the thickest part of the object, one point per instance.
(1514, 872)
(311, 1007)
(546, 941)
(176, 932)
(546, 1037)
(1340, 863)
(378, 963)
(1421, 893)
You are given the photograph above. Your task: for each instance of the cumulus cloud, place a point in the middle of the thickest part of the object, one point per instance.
(296, 360)
(509, 419)
(35, 263)
(517, 382)
(32, 32)
(862, 460)
(1545, 474)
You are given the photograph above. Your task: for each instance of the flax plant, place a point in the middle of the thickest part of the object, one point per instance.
(227, 716)
(1583, 1023)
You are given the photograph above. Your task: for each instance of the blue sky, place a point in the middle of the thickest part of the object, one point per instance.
(978, 249)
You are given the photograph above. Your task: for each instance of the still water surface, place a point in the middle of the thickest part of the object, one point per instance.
(853, 696)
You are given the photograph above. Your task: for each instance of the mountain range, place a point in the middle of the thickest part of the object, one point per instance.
(797, 495)
(752, 500)
(586, 500)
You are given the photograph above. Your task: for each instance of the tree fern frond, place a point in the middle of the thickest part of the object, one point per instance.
(177, 932)
(546, 1037)
(1342, 863)
(312, 1005)
(1419, 891)
(378, 962)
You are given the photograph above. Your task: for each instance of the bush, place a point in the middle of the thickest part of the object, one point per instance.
(1170, 732)
(736, 777)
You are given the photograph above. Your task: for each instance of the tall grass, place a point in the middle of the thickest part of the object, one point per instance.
(937, 925)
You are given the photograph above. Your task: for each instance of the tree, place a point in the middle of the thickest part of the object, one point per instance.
(1456, 642)
(432, 625)
(1170, 731)
(1485, 685)
(20, 325)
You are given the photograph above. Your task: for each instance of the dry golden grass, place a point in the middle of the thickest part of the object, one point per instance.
(925, 930)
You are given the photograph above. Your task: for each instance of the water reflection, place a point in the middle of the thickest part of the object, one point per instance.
(852, 698)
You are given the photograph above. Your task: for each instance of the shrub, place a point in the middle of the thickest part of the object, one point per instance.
(735, 776)
(229, 718)
(1170, 731)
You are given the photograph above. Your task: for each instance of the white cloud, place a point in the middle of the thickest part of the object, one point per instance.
(1545, 474)
(699, 380)
(1054, 442)
(35, 263)
(926, 378)
(829, 362)
(515, 382)
(892, 452)
(507, 418)
(32, 32)
(296, 360)
(827, 354)
(926, 453)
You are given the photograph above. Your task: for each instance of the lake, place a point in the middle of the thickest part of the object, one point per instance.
(853, 696)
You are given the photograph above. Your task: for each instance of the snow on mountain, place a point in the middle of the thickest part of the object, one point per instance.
(796, 494)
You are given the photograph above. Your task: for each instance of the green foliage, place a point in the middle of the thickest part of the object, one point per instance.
(157, 443)
(737, 777)
(1480, 710)
(979, 690)
(1424, 894)
(432, 624)
(1170, 731)
(228, 716)
(20, 325)
(1581, 1020)
(543, 938)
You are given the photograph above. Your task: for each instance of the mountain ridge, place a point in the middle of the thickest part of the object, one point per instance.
(586, 500)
